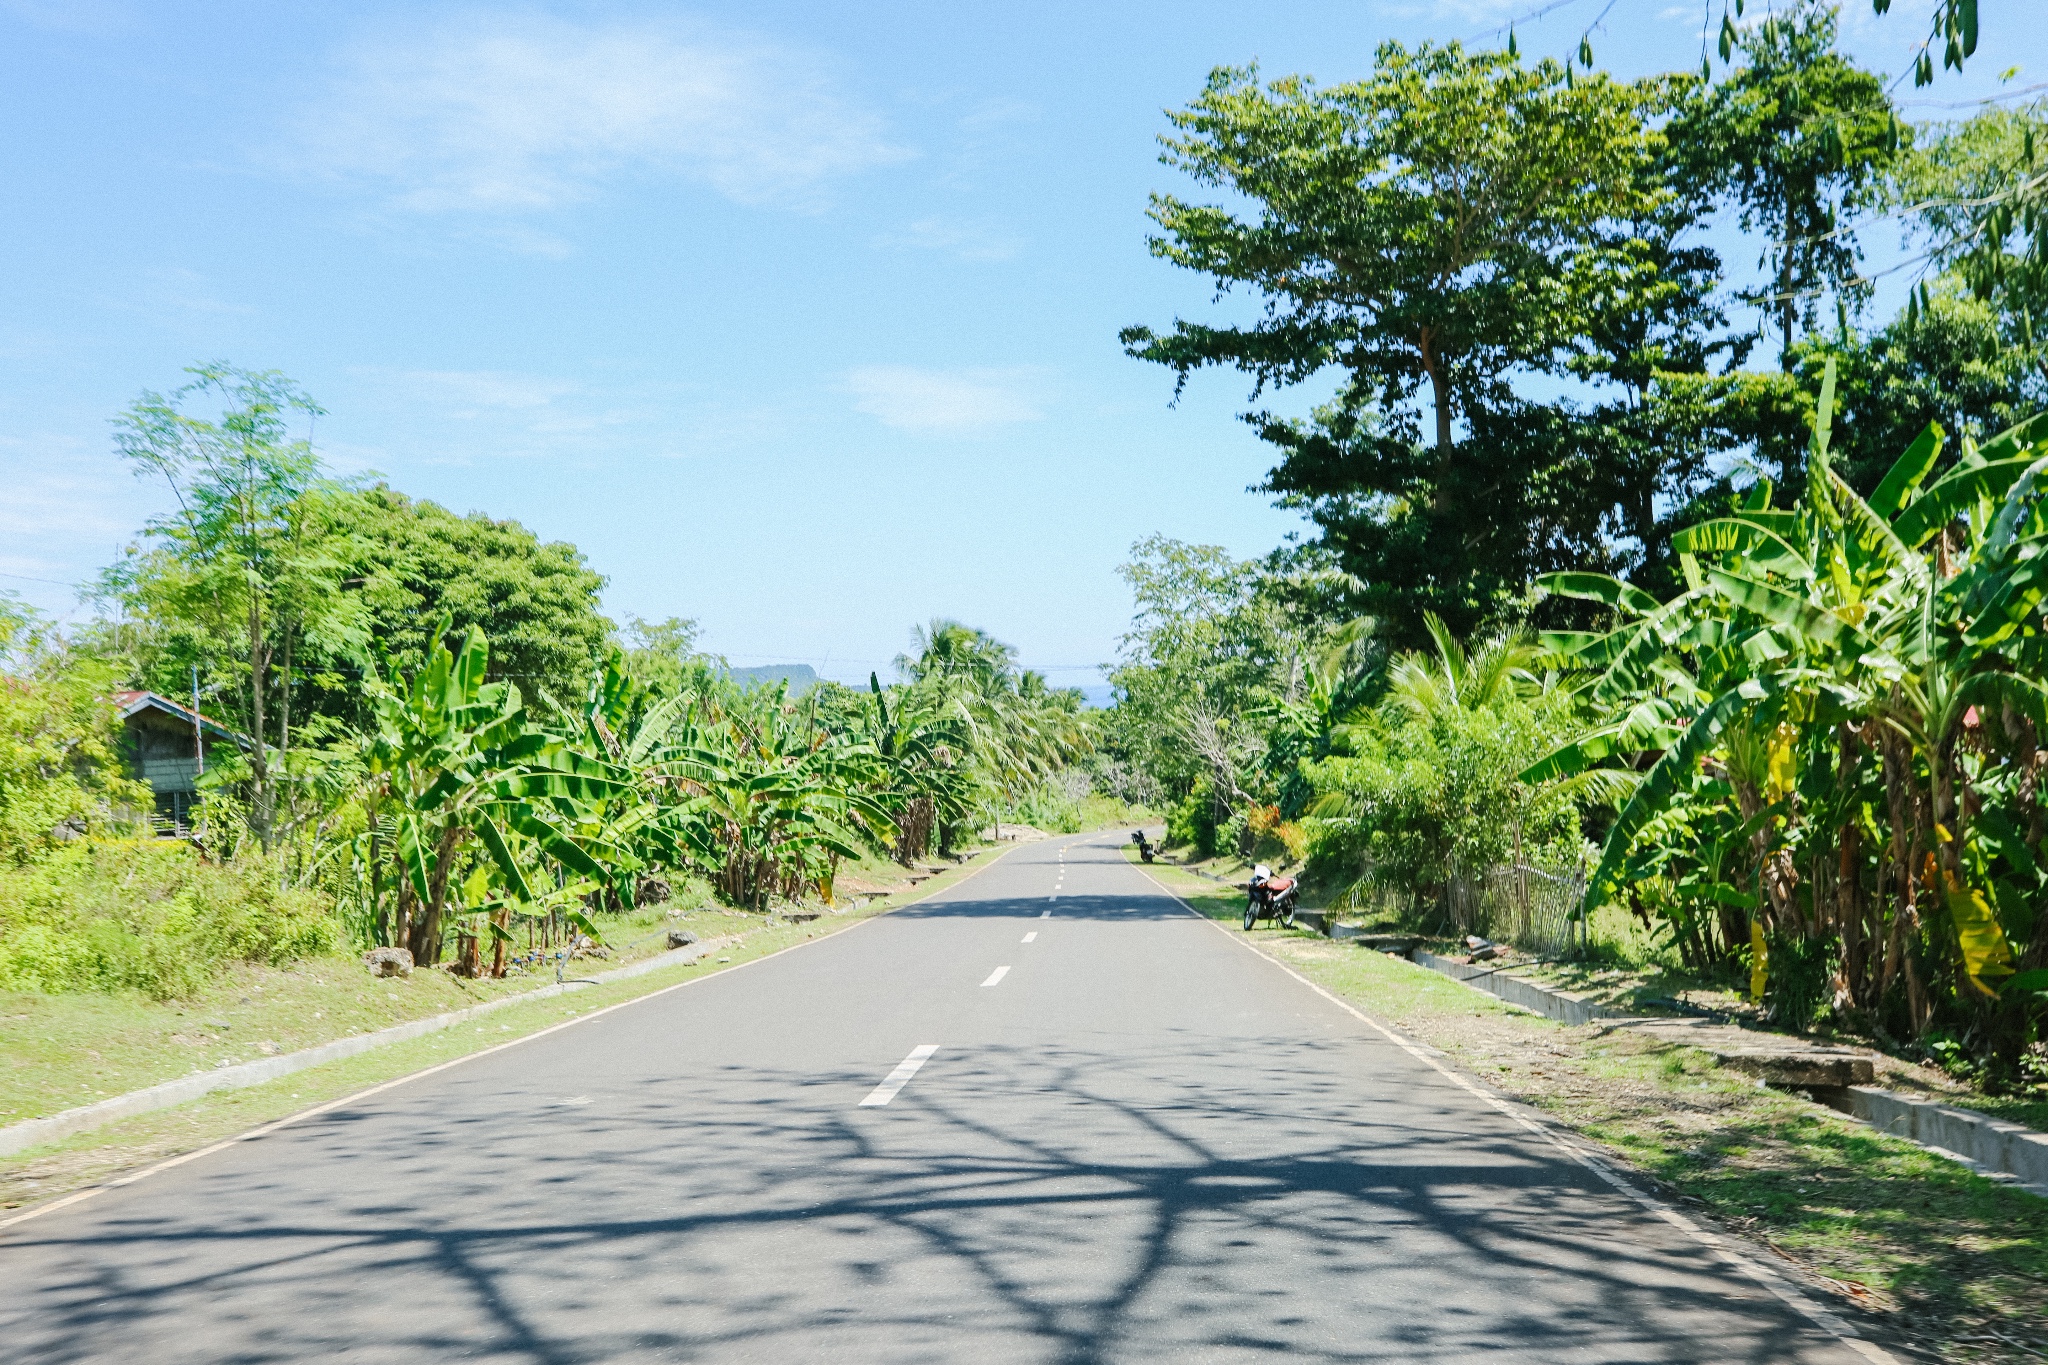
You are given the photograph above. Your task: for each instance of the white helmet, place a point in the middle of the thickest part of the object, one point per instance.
(1260, 872)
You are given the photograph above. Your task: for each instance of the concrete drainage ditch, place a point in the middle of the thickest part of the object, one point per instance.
(1838, 1077)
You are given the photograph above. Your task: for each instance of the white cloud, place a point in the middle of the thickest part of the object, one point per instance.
(966, 242)
(510, 115)
(909, 398)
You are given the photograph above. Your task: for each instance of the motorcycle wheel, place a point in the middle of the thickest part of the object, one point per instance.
(1251, 915)
(1287, 916)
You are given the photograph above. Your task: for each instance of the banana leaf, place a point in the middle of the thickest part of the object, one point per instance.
(1741, 536)
(1665, 779)
(1782, 608)
(1985, 951)
(1907, 472)
(1599, 587)
(1955, 496)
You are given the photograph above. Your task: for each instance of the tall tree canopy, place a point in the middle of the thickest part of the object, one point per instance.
(244, 571)
(1799, 137)
(1435, 222)
(1449, 223)
(538, 601)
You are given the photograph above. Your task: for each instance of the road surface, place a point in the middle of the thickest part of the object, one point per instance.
(1045, 1116)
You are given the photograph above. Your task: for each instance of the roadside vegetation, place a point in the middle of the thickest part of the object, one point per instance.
(1723, 679)
(426, 738)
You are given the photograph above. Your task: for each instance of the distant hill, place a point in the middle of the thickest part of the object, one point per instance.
(800, 677)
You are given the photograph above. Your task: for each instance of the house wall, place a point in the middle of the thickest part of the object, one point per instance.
(162, 749)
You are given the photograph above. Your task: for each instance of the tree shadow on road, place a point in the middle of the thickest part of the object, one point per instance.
(1074, 1205)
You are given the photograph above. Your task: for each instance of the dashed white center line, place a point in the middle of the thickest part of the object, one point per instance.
(997, 975)
(900, 1077)
(1033, 934)
(1045, 914)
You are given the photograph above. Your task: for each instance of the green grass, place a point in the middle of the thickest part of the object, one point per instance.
(89, 1044)
(61, 1051)
(1944, 1255)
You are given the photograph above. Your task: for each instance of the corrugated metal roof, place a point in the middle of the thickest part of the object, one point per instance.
(133, 702)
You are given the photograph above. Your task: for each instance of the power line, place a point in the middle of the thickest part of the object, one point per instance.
(31, 578)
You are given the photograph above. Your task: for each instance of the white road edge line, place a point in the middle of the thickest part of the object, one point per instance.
(1033, 934)
(900, 1077)
(997, 975)
(93, 1191)
(1769, 1278)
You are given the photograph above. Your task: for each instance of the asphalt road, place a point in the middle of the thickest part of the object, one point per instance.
(1138, 1142)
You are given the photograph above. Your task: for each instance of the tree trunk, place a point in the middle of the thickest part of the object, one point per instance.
(425, 940)
(1440, 388)
(503, 919)
(1785, 296)
(259, 763)
(284, 726)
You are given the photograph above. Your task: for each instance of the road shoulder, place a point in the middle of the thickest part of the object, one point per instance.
(1880, 1230)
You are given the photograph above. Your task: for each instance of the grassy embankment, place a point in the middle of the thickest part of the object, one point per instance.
(1629, 970)
(65, 1050)
(1950, 1261)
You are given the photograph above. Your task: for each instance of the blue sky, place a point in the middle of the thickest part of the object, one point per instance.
(799, 319)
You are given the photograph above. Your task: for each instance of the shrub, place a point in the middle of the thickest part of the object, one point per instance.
(60, 776)
(1422, 803)
(1192, 823)
(1050, 807)
(151, 916)
(1274, 839)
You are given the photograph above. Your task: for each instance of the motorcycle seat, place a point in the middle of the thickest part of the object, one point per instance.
(1275, 885)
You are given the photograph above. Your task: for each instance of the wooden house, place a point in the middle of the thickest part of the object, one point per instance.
(170, 745)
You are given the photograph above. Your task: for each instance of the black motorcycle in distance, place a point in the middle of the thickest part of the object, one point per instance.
(1271, 898)
(1144, 848)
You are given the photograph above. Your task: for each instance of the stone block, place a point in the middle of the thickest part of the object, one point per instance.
(1800, 1068)
(389, 961)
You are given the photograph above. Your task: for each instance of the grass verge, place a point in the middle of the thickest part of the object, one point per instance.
(59, 1168)
(1948, 1261)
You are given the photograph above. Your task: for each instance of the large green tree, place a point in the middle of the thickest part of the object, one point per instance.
(246, 571)
(1437, 223)
(1452, 224)
(1982, 198)
(415, 561)
(1799, 137)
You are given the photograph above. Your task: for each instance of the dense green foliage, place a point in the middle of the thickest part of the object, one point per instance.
(441, 735)
(60, 771)
(1790, 689)
(1842, 710)
(1434, 231)
(151, 916)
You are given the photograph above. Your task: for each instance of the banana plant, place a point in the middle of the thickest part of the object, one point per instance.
(457, 771)
(1859, 680)
(767, 801)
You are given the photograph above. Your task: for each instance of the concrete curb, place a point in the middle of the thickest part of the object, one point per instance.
(1990, 1146)
(19, 1137)
(1994, 1147)
(1559, 1005)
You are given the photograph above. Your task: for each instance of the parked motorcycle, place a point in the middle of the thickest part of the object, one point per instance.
(1144, 847)
(1271, 898)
